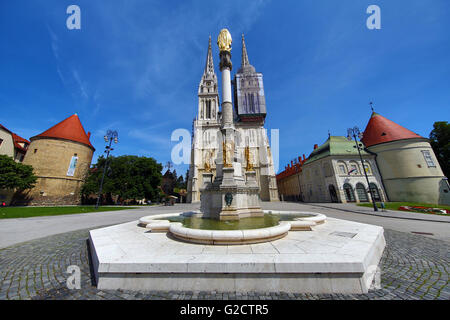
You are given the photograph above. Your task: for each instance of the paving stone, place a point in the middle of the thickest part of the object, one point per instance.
(413, 267)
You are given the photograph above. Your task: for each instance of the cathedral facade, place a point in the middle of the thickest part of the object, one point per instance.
(249, 113)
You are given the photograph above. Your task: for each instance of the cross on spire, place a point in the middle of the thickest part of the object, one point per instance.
(371, 106)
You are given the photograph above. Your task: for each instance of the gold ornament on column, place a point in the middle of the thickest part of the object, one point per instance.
(224, 40)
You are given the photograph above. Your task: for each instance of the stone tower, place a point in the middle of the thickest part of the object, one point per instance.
(250, 107)
(205, 129)
(408, 165)
(61, 157)
(249, 92)
(252, 141)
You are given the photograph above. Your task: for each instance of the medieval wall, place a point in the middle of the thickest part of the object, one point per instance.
(50, 159)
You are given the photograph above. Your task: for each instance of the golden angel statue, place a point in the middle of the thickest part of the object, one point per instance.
(248, 158)
(224, 40)
(208, 158)
(228, 154)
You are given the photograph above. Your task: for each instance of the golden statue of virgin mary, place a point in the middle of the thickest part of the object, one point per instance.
(224, 40)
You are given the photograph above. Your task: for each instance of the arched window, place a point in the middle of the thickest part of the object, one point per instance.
(368, 168)
(208, 109)
(251, 103)
(361, 192)
(342, 167)
(202, 108)
(375, 192)
(353, 169)
(348, 191)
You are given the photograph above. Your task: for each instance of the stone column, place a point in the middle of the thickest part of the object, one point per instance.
(227, 106)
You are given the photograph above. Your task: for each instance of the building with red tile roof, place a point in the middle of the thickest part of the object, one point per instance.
(407, 163)
(61, 157)
(69, 129)
(333, 172)
(12, 144)
(15, 147)
(382, 130)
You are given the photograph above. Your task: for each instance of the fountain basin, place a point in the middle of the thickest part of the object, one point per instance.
(229, 237)
(337, 257)
(191, 227)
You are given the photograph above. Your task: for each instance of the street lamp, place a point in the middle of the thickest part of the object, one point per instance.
(353, 133)
(109, 137)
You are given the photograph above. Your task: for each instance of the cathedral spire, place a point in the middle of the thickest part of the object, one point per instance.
(244, 54)
(209, 67)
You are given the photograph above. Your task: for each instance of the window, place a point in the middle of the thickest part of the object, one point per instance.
(367, 168)
(342, 167)
(361, 192)
(348, 191)
(428, 158)
(375, 192)
(35, 150)
(208, 109)
(1, 140)
(353, 168)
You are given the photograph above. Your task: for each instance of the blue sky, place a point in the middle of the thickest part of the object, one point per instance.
(135, 66)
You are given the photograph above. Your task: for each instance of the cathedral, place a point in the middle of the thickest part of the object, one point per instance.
(249, 115)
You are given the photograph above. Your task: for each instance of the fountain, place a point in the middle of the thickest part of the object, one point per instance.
(231, 244)
(234, 193)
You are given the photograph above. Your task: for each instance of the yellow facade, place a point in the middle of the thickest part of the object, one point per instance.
(289, 187)
(50, 159)
(411, 172)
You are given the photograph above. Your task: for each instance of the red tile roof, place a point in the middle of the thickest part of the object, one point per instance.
(68, 129)
(291, 169)
(20, 139)
(382, 130)
(17, 139)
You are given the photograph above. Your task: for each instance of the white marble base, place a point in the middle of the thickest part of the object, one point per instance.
(337, 257)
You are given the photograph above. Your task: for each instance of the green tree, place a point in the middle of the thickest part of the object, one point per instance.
(180, 183)
(15, 175)
(130, 177)
(440, 142)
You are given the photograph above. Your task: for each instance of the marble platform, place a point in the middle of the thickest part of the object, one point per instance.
(336, 257)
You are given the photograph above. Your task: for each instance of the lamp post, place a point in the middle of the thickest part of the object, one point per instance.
(109, 137)
(353, 133)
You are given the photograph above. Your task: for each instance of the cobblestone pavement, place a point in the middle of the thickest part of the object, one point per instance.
(412, 267)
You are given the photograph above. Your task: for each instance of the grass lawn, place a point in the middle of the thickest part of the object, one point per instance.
(26, 212)
(396, 205)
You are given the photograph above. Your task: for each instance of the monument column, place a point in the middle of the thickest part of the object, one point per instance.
(227, 106)
(229, 197)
